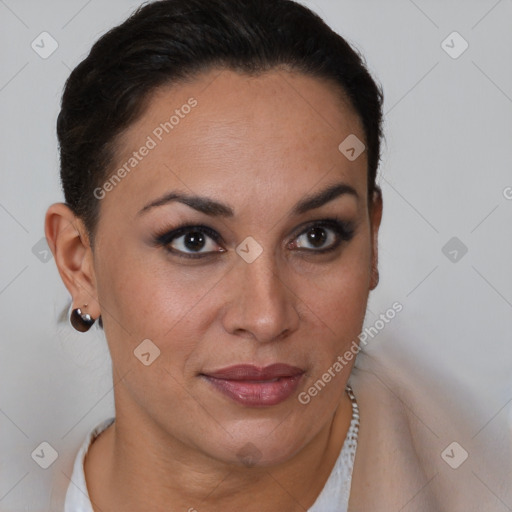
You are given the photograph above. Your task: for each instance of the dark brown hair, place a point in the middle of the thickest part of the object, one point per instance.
(170, 41)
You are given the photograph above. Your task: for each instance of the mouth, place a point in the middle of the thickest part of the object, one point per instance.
(253, 386)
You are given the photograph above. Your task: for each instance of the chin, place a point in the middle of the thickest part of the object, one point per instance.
(259, 450)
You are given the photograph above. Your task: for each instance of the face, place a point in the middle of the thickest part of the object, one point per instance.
(255, 274)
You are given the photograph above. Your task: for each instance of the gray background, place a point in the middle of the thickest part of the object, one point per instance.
(446, 172)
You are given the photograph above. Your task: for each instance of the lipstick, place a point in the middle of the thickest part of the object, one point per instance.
(253, 386)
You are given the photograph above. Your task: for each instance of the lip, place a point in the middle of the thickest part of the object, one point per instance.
(254, 386)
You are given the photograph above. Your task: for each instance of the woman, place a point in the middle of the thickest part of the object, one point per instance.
(219, 162)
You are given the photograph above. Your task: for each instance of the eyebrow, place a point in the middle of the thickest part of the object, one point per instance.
(215, 208)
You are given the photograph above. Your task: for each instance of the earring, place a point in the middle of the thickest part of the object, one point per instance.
(82, 322)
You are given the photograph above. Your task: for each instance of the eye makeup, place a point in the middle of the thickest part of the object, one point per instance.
(337, 229)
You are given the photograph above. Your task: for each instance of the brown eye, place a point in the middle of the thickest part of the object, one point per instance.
(190, 241)
(194, 240)
(324, 236)
(317, 236)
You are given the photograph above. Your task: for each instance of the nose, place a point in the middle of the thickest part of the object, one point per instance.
(261, 305)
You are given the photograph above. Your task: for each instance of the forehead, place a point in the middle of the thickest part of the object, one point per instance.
(240, 137)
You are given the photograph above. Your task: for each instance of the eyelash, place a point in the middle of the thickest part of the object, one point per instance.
(344, 231)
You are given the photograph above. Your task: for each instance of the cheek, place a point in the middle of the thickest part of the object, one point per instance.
(149, 299)
(341, 291)
(350, 288)
(337, 302)
(340, 310)
(339, 306)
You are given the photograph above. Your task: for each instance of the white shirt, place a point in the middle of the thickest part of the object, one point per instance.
(333, 498)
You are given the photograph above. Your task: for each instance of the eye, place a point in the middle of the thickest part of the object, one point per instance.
(324, 236)
(190, 241)
(197, 241)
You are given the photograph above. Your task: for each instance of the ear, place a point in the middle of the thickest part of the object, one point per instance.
(375, 218)
(67, 238)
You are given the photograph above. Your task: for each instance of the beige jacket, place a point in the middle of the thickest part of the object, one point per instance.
(406, 460)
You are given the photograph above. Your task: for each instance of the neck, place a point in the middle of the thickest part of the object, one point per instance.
(132, 465)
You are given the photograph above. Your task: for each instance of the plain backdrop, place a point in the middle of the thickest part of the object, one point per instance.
(445, 242)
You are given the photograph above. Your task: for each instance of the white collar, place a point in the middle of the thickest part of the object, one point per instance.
(77, 496)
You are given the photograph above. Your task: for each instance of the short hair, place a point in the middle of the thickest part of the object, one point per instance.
(172, 41)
